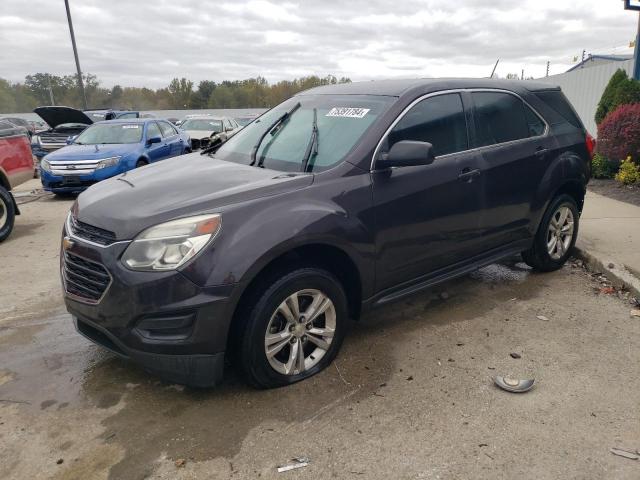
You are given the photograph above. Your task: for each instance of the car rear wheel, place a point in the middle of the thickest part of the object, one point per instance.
(556, 236)
(294, 328)
(7, 214)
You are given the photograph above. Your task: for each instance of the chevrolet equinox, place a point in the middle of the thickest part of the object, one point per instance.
(341, 199)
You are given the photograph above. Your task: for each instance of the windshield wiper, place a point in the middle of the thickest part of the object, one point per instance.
(312, 148)
(273, 128)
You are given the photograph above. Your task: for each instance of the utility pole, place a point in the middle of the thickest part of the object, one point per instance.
(75, 54)
(548, 63)
(50, 90)
(522, 76)
(494, 68)
(636, 54)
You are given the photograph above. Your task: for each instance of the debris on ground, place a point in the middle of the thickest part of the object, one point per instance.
(542, 317)
(514, 385)
(625, 453)
(515, 355)
(297, 462)
(60, 461)
(181, 462)
(635, 313)
(608, 290)
(409, 378)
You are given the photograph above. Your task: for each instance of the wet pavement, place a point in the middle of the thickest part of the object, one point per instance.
(409, 396)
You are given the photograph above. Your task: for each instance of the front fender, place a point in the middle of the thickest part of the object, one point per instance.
(253, 235)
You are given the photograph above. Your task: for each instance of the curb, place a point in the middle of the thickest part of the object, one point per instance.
(616, 272)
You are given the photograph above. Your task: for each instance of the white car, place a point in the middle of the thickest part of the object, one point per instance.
(203, 129)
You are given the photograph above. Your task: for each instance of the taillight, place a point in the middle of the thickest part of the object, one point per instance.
(591, 145)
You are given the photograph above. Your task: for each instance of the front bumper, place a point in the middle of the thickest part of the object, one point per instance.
(75, 183)
(162, 320)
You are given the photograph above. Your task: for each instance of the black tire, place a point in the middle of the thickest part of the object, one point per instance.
(256, 316)
(538, 256)
(141, 163)
(7, 214)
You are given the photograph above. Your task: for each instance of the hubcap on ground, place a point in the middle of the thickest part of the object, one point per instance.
(560, 232)
(300, 332)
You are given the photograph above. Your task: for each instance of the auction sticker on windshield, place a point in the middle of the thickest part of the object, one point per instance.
(347, 112)
(131, 126)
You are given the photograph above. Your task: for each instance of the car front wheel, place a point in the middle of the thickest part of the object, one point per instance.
(556, 235)
(7, 214)
(294, 328)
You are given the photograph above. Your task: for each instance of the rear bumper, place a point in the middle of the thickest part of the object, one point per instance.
(193, 370)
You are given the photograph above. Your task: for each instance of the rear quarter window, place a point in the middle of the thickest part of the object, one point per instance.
(557, 102)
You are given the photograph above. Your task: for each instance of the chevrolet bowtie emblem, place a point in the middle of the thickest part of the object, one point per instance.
(67, 243)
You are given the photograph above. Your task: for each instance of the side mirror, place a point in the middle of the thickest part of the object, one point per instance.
(155, 139)
(71, 139)
(407, 153)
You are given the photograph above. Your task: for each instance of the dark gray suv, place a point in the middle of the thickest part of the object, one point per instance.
(340, 199)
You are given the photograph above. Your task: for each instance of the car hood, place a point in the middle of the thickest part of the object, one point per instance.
(91, 152)
(199, 134)
(178, 187)
(55, 116)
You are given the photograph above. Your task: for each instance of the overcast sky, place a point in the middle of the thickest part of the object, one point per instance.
(146, 43)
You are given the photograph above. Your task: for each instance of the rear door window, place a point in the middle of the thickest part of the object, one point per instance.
(534, 122)
(499, 117)
(167, 130)
(439, 120)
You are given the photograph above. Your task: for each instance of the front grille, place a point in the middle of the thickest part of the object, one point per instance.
(83, 278)
(91, 233)
(50, 138)
(73, 167)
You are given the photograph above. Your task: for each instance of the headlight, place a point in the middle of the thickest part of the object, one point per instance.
(108, 162)
(44, 165)
(169, 245)
(35, 140)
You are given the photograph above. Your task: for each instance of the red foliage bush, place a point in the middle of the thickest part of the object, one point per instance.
(619, 133)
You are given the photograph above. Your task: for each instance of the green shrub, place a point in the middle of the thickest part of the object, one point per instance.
(620, 90)
(602, 167)
(629, 172)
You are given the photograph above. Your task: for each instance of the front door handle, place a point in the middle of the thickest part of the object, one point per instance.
(467, 174)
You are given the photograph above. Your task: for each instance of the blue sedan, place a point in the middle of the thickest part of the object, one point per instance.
(109, 148)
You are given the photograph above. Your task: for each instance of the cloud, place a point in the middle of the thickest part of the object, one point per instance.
(144, 43)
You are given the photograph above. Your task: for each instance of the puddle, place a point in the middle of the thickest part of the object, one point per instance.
(54, 369)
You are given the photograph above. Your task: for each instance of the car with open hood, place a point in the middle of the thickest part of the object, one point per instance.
(207, 129)
(65, 122)
(109, 148)
(341, 199)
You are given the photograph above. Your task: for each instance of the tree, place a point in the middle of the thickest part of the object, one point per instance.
(180, 92)
(619, 91)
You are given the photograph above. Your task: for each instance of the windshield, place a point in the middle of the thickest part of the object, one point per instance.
(203, 125)
(341, 119)
(111, 133)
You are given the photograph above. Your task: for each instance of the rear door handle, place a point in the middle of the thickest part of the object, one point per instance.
(541, 151)
(467, 175)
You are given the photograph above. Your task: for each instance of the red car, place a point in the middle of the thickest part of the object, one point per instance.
(16, 167)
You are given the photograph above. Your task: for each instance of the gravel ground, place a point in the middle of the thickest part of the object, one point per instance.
(410, 395)
(616, 190)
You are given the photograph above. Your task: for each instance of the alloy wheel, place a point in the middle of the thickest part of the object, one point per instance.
(560, 232)
(300, 332)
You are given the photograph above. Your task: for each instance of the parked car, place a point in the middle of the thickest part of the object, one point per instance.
(38, 126)
(16, 167)
(20, 122)
(204, 129)
(109, 148)
(245, 120)
(65, 122)
(341, 199)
